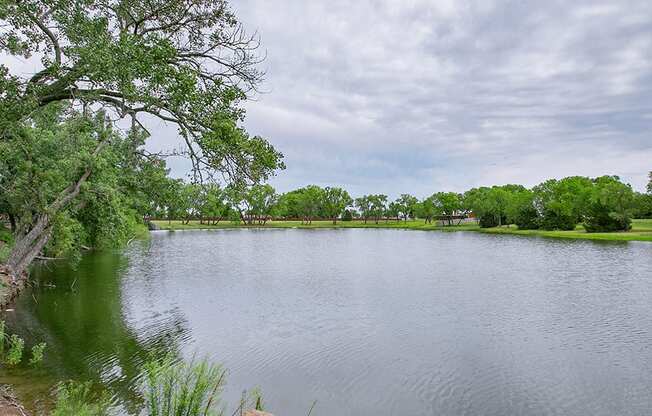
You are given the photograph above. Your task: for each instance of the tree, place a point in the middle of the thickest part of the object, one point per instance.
(309, 203)
(610, 206)
(448, 204)
(406, 205)
(649, 184)
(185, 62)
(261, 199)
(394, 210)
(38, 177)
(426, 209)
(377, 206)
(561, 203)
(643, 205)
(363, 204)
(522, 211)
(336, 200)
(215, 207)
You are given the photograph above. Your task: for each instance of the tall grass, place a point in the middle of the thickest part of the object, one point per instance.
(183, 389)
(170, 388)
(79, 400)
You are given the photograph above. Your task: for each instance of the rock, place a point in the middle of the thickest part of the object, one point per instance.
(9, 405)
(256, 413)
(152, 226)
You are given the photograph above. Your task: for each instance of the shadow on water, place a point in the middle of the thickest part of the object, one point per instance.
(77, 309)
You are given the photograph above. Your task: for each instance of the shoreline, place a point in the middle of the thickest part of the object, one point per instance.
(641, 229)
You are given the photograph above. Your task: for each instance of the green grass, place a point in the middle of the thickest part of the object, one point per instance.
(641, 230)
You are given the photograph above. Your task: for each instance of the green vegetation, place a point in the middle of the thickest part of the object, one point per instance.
(600, 205)
(15, 346)
(641, 228)
(176, 388)
(71, 174)
(170, 388)
(80, 400)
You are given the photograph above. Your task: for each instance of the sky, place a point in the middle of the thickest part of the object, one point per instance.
(423, 96)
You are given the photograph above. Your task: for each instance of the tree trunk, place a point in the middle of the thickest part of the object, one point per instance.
(12, 223)
(30, 244)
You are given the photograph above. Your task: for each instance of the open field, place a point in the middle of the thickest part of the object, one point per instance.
(641, 231)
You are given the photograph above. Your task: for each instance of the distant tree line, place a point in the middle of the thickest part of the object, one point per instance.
(599, 204)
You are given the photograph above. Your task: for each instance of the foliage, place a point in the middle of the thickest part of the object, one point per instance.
(15, 351)
(309, 202)
(406, 205)
(561, 203)
(66, 170)
(427, 209)
(490, 205)
(610, 206)
(522, 212)
(80, 400)
(38, 351)
(335, 201)
(176, 388)
(447, 204)
(643, 205)
(37, 165)
(186, 62)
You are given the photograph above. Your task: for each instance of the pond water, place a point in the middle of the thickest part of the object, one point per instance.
(365, 322)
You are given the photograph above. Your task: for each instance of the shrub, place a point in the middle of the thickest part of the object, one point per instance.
(610, 207)
(553, 220)
(15, 353)
(38, 351)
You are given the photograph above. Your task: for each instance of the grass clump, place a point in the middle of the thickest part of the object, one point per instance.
(178, 388)
(78, 399)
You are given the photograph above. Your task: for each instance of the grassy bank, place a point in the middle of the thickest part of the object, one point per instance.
(641, 231)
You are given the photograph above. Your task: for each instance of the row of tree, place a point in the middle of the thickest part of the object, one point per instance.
(600, 204)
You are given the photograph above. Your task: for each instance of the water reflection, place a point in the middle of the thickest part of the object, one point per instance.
(363, 321)
(78, 310)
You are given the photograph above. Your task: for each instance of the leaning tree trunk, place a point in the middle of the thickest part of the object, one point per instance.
(30, 244)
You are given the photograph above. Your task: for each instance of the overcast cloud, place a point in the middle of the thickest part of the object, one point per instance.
(427, 95)
(421, 96)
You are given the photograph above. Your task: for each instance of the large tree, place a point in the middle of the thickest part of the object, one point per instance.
(336, 200)
(186, 62)
(406, 205)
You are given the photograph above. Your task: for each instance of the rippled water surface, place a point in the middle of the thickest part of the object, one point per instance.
(366, 322)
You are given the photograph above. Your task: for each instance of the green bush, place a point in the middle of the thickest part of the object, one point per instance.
(38, 351)
(15, 352)
(553, 220)
(527, 218)
(610, 207)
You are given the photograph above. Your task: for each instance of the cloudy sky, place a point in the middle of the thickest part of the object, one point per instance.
(427, 95)
(418, 96)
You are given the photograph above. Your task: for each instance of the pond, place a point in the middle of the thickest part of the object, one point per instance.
(365, 322)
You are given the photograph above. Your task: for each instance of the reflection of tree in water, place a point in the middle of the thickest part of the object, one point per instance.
(81, 319)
